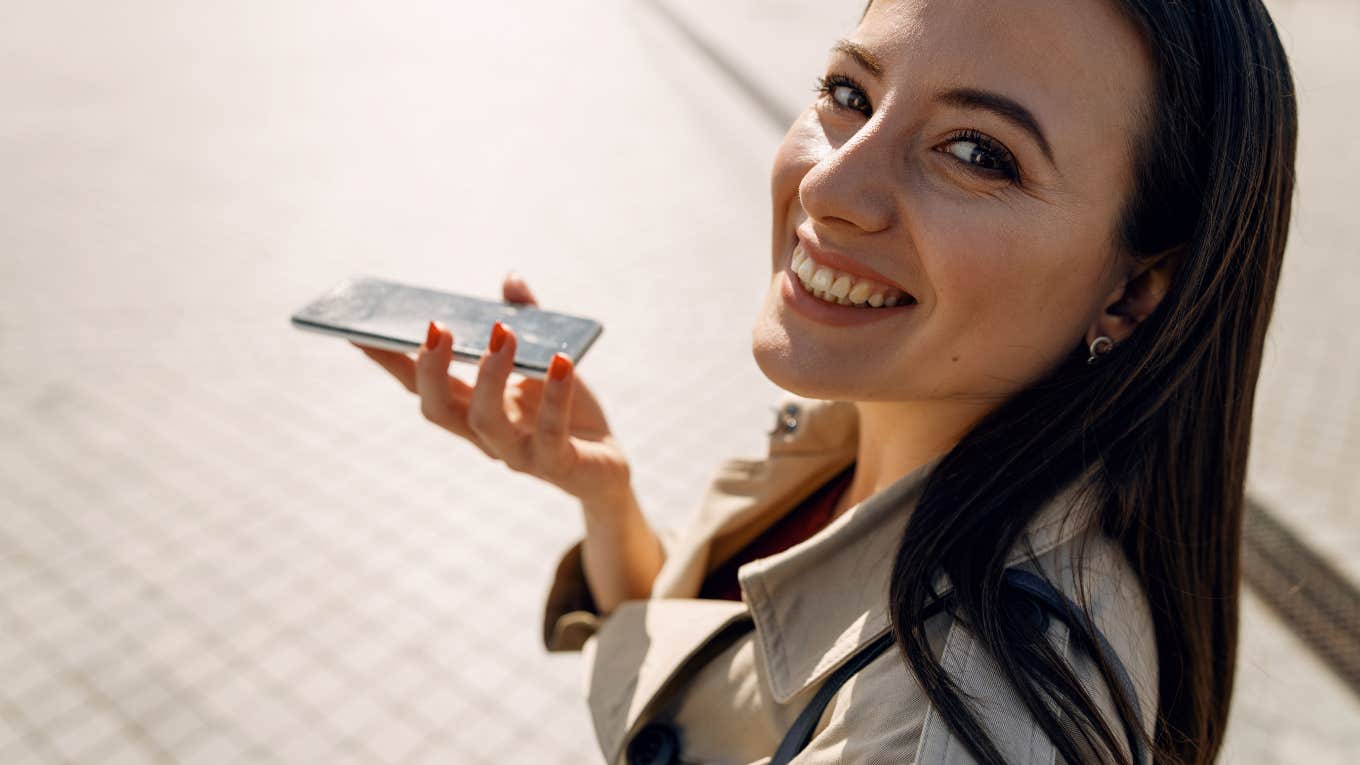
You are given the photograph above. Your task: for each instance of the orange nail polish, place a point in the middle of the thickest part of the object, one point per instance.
(432, 336)
(559, 367)
(497, 338)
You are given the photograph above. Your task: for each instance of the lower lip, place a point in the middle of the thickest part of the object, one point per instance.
(834, 314)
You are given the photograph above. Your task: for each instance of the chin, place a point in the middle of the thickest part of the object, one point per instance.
(801, 371)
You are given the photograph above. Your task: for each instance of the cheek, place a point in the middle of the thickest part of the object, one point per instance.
(1011, 294)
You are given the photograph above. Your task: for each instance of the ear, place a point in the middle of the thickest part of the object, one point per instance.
(1134, 299)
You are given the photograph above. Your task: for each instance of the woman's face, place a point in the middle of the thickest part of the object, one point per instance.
(973, 156)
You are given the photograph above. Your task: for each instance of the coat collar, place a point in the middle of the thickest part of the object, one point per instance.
(811, 442)
(817, 602)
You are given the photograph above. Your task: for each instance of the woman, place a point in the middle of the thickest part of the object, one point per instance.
(1023, 257)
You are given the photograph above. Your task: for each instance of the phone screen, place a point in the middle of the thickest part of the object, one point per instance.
(394, 316)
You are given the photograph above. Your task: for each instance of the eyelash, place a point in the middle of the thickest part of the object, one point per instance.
(826, 85)
(1007, 169)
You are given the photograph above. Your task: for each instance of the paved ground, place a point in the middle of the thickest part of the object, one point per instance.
(222, 540)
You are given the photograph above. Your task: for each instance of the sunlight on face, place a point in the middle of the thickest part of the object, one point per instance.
(977, 155)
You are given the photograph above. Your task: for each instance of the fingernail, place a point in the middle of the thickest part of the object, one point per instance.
(432, 336)
(559, 367)
(497, 338)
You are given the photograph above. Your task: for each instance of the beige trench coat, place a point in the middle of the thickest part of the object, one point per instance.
(667, 658)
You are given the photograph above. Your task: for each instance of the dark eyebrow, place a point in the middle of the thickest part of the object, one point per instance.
(858, 52)
(1001, 106)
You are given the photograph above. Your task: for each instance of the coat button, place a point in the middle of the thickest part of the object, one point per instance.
(656, 744)
(786, 419)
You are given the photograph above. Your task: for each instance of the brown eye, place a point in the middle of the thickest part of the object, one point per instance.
(849, 97)
(844, 92)
(982, 154)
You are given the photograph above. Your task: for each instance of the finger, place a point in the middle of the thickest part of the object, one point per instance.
(434, 385)
(554, 413)
(486, 410)
(515, 290)
(397, 364)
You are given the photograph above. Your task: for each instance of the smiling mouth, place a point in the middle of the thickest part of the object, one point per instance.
(838, 287)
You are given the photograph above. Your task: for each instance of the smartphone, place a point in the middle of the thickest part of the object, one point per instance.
(383, 314)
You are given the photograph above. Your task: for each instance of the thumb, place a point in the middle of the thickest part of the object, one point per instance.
(514, 290)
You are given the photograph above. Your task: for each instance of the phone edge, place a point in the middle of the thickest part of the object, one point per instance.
(401, 346)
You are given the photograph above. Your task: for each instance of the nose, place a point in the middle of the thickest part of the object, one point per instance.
(851, 185)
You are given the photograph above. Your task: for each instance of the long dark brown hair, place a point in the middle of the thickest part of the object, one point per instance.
(1163, 423)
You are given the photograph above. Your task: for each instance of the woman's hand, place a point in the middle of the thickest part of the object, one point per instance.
(553, 429)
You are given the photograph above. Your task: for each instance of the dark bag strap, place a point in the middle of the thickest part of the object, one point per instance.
(1044, 594)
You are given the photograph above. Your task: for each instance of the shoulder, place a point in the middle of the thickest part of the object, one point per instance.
(1089, 572)
(883, 709)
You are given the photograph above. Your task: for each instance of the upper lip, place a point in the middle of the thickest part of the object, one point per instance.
(843, 262)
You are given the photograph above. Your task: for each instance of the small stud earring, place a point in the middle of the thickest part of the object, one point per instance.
(1099, 347)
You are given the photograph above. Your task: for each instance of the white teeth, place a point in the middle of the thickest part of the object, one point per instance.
(843, 289)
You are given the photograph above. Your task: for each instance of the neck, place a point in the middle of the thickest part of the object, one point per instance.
(896, 437)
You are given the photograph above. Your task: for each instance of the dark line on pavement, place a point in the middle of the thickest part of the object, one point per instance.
(765, 103)
(1317, 601)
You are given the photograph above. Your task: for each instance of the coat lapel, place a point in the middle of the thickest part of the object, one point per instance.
(815, 603)
(641, 649)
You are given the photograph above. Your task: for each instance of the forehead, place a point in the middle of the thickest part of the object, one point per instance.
(1080, 66)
